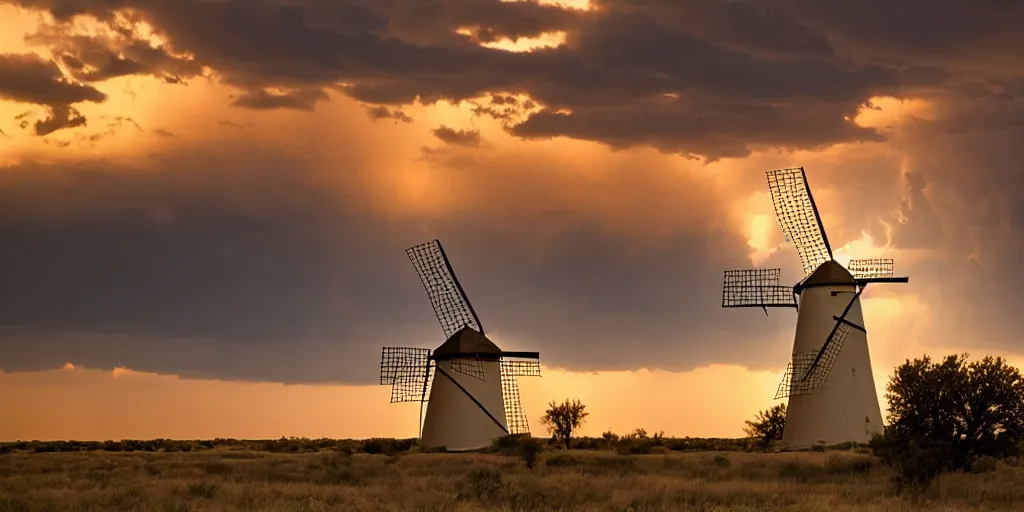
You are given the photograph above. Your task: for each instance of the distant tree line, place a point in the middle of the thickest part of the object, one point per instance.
(282, 445)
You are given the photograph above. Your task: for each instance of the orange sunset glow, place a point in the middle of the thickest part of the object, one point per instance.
(204, 206)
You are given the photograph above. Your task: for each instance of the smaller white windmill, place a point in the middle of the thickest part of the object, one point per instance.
(825, 406)
(476, 397)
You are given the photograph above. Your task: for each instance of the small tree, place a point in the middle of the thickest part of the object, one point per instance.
(767, 426)
(945, 416)
(562, 419)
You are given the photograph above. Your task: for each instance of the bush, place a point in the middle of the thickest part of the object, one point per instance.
(530, 450)
(949, 415)
(767, 427)
(523, 446)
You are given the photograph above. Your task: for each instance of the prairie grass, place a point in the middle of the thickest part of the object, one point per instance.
(578, 480)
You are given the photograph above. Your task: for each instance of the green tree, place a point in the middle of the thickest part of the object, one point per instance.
(562, 419)
(946, 415)
(767, 426)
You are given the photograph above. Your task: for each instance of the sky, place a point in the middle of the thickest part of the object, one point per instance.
(204, 205)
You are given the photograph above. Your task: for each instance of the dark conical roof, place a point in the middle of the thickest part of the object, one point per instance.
(828, 273)
(467, 341)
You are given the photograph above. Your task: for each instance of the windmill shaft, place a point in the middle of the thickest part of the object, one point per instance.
(423, 396)
(817, 216)
(849, 324)
(521, 355)
(902, 280)
(458, 286)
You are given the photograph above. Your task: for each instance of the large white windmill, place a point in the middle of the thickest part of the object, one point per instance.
(473, 392)
(828, 381)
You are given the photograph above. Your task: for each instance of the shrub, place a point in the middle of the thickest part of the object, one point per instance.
(523, 446)
(767, 427)
(946, 416)
(530, 450)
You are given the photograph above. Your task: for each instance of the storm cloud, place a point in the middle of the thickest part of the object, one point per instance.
(197, 268)
(768, 78)
(263, 274)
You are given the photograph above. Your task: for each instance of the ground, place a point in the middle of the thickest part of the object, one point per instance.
(241, 479)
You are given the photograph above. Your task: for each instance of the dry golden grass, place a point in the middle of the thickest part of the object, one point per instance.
(224, 479)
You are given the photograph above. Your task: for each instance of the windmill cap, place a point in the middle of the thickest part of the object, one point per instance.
(467, 341)
(830, 273)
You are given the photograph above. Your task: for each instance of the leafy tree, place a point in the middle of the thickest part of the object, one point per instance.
(562, 419)
(948, 415)
(767, 426)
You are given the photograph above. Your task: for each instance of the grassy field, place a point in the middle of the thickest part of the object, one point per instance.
(226, 478)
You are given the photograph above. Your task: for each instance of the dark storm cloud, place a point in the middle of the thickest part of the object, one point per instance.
(918, 30)
(159, 274)
(467, 138)
(98, 58)
(302, 99)
(239, 265)
(741, 75)
(381, 112)
(58, 118)
(721, 130)
(28, 78)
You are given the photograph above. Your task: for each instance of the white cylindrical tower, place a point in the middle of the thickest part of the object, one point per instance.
(466, 410)
(845, 407)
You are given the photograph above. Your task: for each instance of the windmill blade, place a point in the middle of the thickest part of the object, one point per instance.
(407, 371)
(798, 216)
(872, 268)
(756, 288)
(797, 366)
(515, 414)
(520, 365)
(450, 303)
(469, 366)
(807, 370)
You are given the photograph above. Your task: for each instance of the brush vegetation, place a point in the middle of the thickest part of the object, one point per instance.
(236, 477)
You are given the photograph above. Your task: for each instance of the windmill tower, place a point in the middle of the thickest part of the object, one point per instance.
(473, 392)
(828, 381)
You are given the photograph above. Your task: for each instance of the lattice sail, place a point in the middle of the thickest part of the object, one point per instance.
(470, 366)
(758, 287)
(871, 268)
(450, 304)
(520, 367)
(803, 376)
(798, 216)
(407, 371)
(515, 414)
